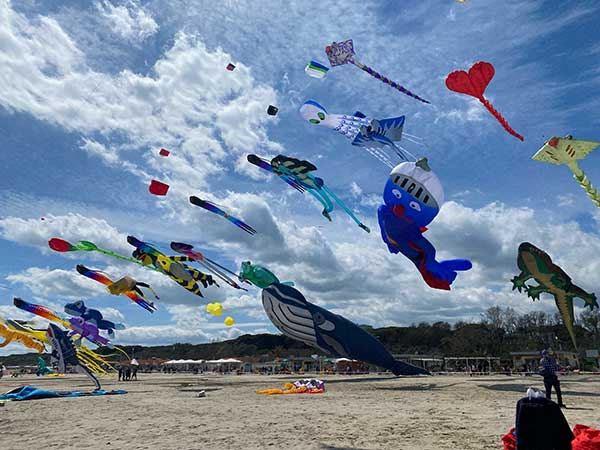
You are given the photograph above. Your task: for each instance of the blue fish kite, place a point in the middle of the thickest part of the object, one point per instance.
(298, 319)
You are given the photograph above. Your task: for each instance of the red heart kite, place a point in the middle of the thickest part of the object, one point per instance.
(474, 83)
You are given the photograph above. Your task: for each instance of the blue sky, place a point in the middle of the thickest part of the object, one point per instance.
(90, 91)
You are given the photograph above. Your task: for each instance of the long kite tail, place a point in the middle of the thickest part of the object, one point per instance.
(346, 209)
(41, 311)
(387, 81)
(140, 301)
(587, 186)
(125, 258)
(500, 119)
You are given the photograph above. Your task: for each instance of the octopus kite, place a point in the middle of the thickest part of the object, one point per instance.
(375, 136)
(297, 173)
(413, 196)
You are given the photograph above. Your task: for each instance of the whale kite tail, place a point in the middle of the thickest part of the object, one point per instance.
(402, 368)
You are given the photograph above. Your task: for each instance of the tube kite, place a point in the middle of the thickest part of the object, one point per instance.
(340, 53)
(125, 286)
(298, 319)
(375, 136)
(567, 151)
(171, 266)
(209, 206)
(217, 269)
(62, 246)
(297, 173)
(413, 196)
(474, 84)
(537, 264)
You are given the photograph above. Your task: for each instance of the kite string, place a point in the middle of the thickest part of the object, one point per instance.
(499, 118)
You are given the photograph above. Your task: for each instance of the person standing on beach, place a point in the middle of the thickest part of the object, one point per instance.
(548, 371)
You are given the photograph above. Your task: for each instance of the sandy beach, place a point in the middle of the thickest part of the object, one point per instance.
(357, 412)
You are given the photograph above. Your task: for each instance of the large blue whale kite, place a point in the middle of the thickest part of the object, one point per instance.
(298, 319)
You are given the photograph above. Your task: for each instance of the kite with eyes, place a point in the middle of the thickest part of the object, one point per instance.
(412, 198)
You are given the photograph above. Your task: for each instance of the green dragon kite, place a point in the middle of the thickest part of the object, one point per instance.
(537, 264)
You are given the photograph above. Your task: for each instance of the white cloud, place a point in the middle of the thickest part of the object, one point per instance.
(189, 104)
(130, 20)
(53, 282)
(70, 227)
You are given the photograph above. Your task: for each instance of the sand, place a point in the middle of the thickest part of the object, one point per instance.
(163, 411)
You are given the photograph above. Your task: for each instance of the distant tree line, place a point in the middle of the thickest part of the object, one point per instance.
(498, 332)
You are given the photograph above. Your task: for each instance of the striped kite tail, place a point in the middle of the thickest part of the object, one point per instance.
(587, 186)
(389, 82)
(500, 119)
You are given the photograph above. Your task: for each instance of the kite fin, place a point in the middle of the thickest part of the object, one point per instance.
(390, 128)
(402, 368)
(359, 115)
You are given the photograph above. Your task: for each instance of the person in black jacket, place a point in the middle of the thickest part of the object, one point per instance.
(548, 371)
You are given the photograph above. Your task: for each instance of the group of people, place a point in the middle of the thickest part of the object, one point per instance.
(128, 373)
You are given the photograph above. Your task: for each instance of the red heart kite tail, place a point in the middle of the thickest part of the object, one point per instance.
(500, 119)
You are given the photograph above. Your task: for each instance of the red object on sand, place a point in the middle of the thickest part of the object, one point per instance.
(158, 188)
(510, 442)
(164, 152)
(230, 67)
(586, 438)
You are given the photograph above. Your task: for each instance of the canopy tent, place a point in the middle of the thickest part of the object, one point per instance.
(223, 365)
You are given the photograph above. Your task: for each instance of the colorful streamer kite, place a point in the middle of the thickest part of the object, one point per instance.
(210, 206)
(62, 246)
